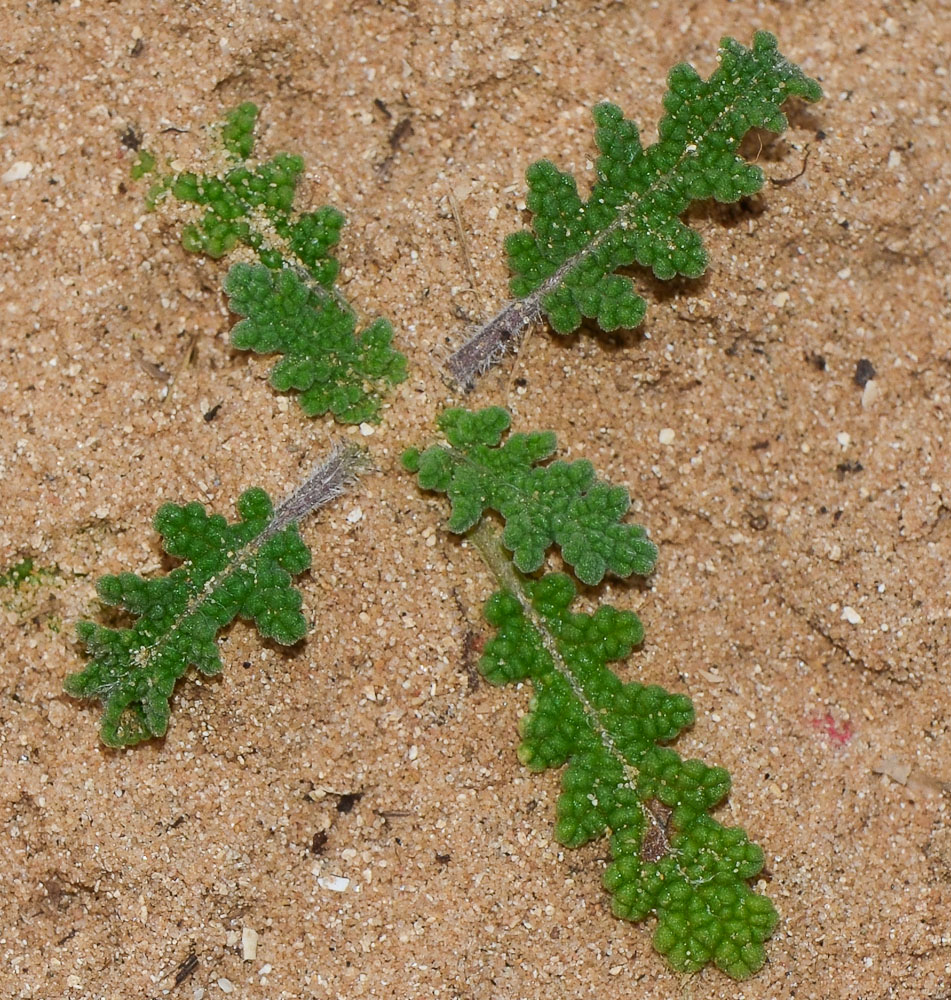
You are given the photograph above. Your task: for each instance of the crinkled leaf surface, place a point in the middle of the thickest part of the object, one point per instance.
(252, 204)
(333, 368)
(560, 503)
(228, 570)
(632, 214)
(670, 858)
(289, 300)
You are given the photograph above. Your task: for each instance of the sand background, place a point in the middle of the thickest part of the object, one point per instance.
(801, 598)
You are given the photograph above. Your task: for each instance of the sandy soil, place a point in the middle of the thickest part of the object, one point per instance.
(804, 520)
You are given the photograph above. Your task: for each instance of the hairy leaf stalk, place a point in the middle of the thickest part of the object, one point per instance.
(329, 480)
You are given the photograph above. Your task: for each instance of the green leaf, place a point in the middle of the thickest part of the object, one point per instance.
(670, 858)
(237, 133)
(252, 204)
(239, 201)
(561, 503)
(632, 214)
(289, 300)
(333, 368)
(229, 570)
(144, 164)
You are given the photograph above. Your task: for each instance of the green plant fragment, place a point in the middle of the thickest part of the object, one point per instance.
(670, 857)
(632, 215)
(144, 164)
(234, 201)
(237, 133)
(23, 573)
(229, 570)
(333, 368)
(559, 503)
(17, 585)
(289, 300)
(251, 204)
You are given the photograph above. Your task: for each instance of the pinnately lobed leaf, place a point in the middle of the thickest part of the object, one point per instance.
(288, 300)
(561, 503)
(632, 214)
(670, 858)
(228, 571)
(565, 266)
(334, 369)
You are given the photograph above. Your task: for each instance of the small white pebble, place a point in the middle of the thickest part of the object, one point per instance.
(851, 616)
(367, 429)
(667, 436)
(225, 985)
(335, 883)
(870, 393)
(780, 299)
(355, 515)
(249, 944)
(843, 438)
(18, 172)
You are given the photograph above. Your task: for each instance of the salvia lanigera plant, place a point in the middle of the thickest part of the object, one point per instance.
(671, 858)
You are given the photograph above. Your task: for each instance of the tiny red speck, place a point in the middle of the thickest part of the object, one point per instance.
(839, 732)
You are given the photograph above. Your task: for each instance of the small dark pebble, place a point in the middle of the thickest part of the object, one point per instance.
(347, 801)
(843, 468)
(864, 372)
